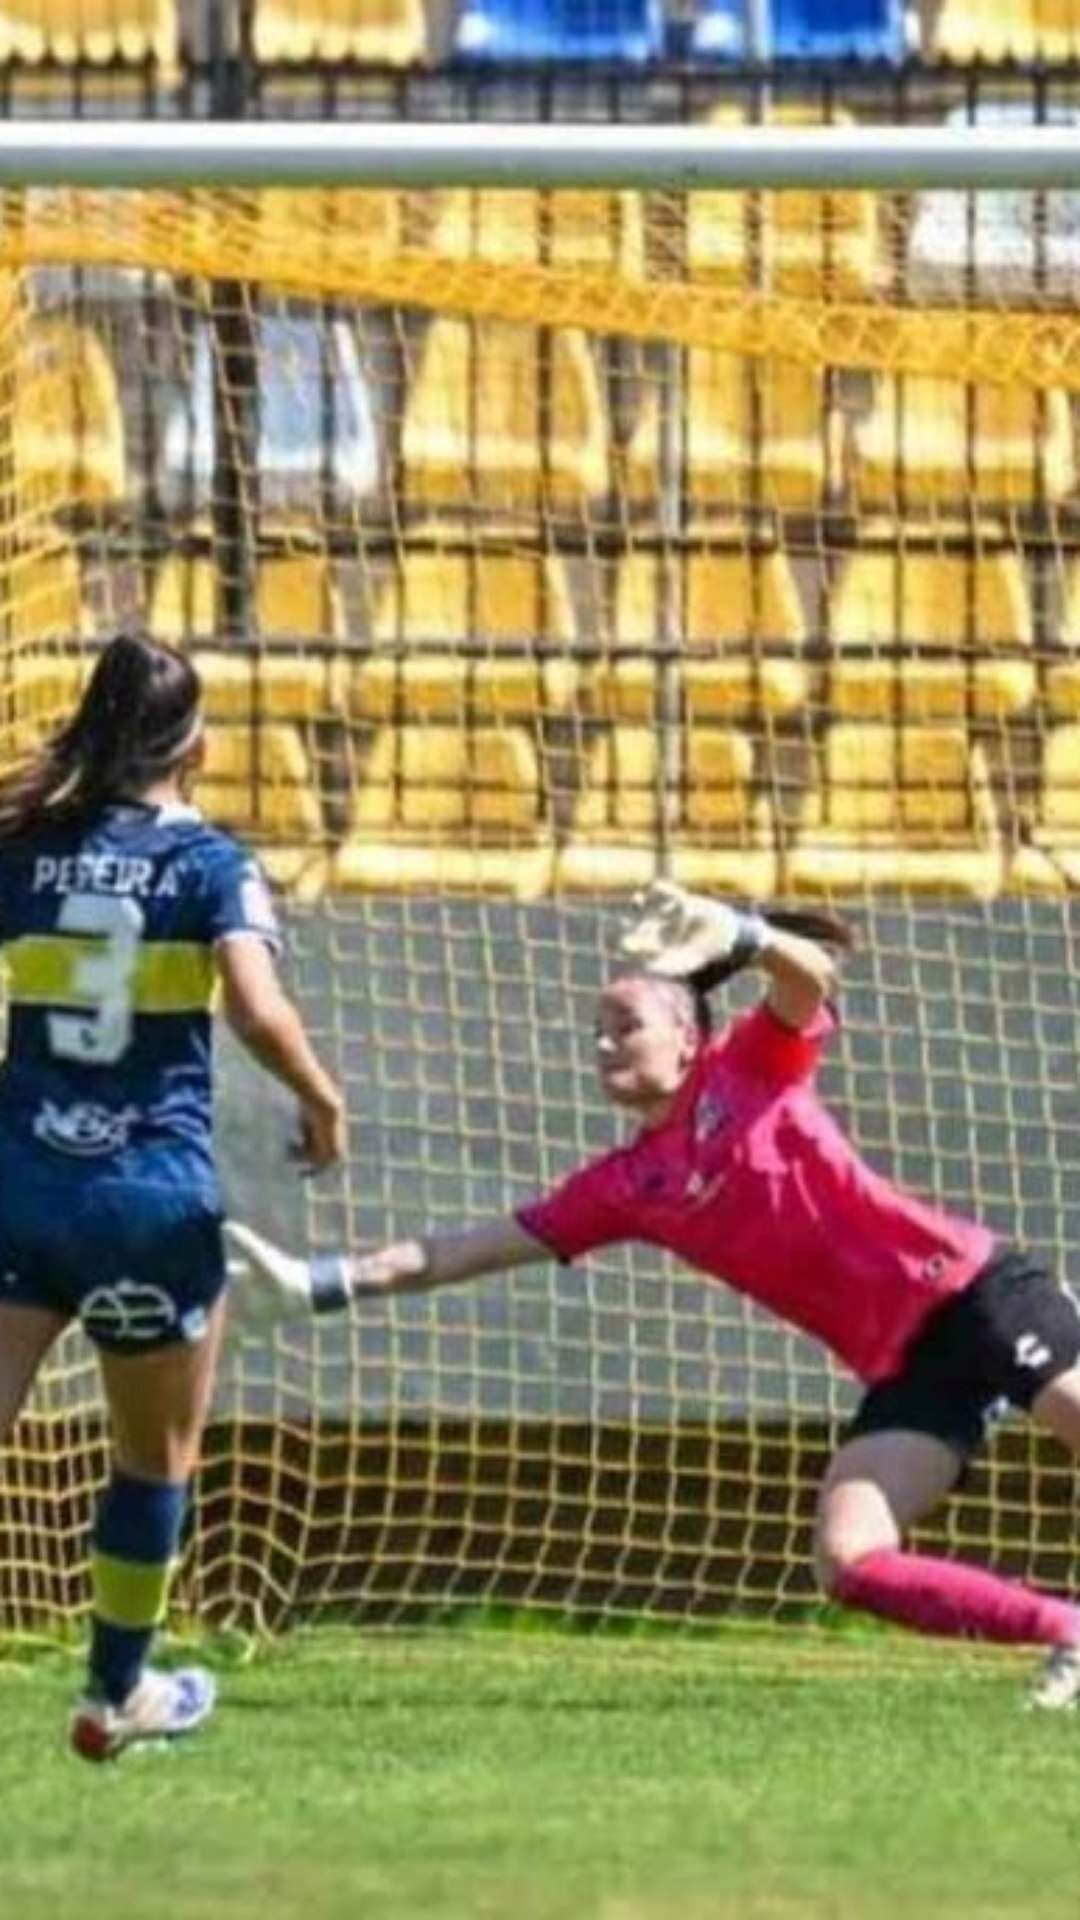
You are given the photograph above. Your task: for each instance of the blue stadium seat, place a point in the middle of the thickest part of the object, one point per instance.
(802, 30)
(629, 31)
(722, 31)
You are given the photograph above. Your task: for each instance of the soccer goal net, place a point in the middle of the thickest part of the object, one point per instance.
(533, 542)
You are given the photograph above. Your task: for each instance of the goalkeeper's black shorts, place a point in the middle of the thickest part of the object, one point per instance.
(996, 1344)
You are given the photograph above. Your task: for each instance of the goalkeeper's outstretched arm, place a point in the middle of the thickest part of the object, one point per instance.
(648, 1041)
(270, 1286)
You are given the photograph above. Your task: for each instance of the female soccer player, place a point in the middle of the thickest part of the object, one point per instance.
(737, 1168)
(119, 910)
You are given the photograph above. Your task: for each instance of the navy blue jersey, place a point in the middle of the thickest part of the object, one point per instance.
(108, 934)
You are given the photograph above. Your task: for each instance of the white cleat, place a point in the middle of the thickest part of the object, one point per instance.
(163, 1706)
(1057, 1689)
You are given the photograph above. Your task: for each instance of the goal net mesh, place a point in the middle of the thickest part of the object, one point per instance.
(532, 544)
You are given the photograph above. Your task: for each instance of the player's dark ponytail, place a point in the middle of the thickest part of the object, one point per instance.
(137, 717)
(811, 923)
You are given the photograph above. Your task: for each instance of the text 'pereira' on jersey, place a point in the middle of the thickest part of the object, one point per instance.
(108, 934)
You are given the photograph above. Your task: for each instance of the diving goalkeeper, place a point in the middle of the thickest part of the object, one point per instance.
(738, 1169)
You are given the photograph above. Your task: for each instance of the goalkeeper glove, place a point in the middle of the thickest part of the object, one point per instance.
(680, 934)
(269, 1286)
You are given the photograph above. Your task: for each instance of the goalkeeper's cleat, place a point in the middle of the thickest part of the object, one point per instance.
(1057, 1688)
(161, 1706)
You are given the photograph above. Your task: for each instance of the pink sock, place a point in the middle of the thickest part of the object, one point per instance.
(943, 1596)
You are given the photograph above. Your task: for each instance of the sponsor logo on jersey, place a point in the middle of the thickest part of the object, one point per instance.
(129, 1311)
(85, 1130)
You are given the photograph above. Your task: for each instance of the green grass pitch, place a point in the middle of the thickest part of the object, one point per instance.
(747, 1775)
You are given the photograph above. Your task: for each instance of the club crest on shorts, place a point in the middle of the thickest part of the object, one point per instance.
(129, 1312)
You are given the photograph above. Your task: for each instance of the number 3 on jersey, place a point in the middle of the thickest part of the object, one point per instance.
(105, 980)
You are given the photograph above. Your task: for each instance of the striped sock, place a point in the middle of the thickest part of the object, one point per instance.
(135, 1543)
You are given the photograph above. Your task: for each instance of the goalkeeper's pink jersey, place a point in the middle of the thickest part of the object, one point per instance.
(750, 1180)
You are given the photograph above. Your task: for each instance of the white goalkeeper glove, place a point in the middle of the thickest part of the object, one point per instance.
(676, 933)
(269, 1287)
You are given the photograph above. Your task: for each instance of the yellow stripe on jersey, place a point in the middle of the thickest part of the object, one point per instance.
(171, 976)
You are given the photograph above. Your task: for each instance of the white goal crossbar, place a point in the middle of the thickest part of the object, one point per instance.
(109, 153)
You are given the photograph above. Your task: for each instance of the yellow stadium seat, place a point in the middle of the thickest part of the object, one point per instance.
(185, 600)
(455, 631)
(796, 244)
(384, 32)
(67, 428)
(899, 808)
(571, 228)
(755, 431)
(245, 684)
(94, 30)
(258, 777)
(257, 782)
(487, 424)
(347, 219)
(448, 807)
(722, 833)
(41, 595)
(1061, 688)
(621, 782)
(47, 623)
(762, 437)
(1051, 863)
(296, 600)
(734, 613)
(967, 30)
(889, 610)
(937, 440)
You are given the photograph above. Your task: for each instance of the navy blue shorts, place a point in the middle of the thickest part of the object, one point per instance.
(139, 1263)
(996, 1344)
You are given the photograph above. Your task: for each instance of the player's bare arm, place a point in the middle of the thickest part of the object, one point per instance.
(419, 1266)
(273, 1286)
(801, 975)
(266, 1023)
